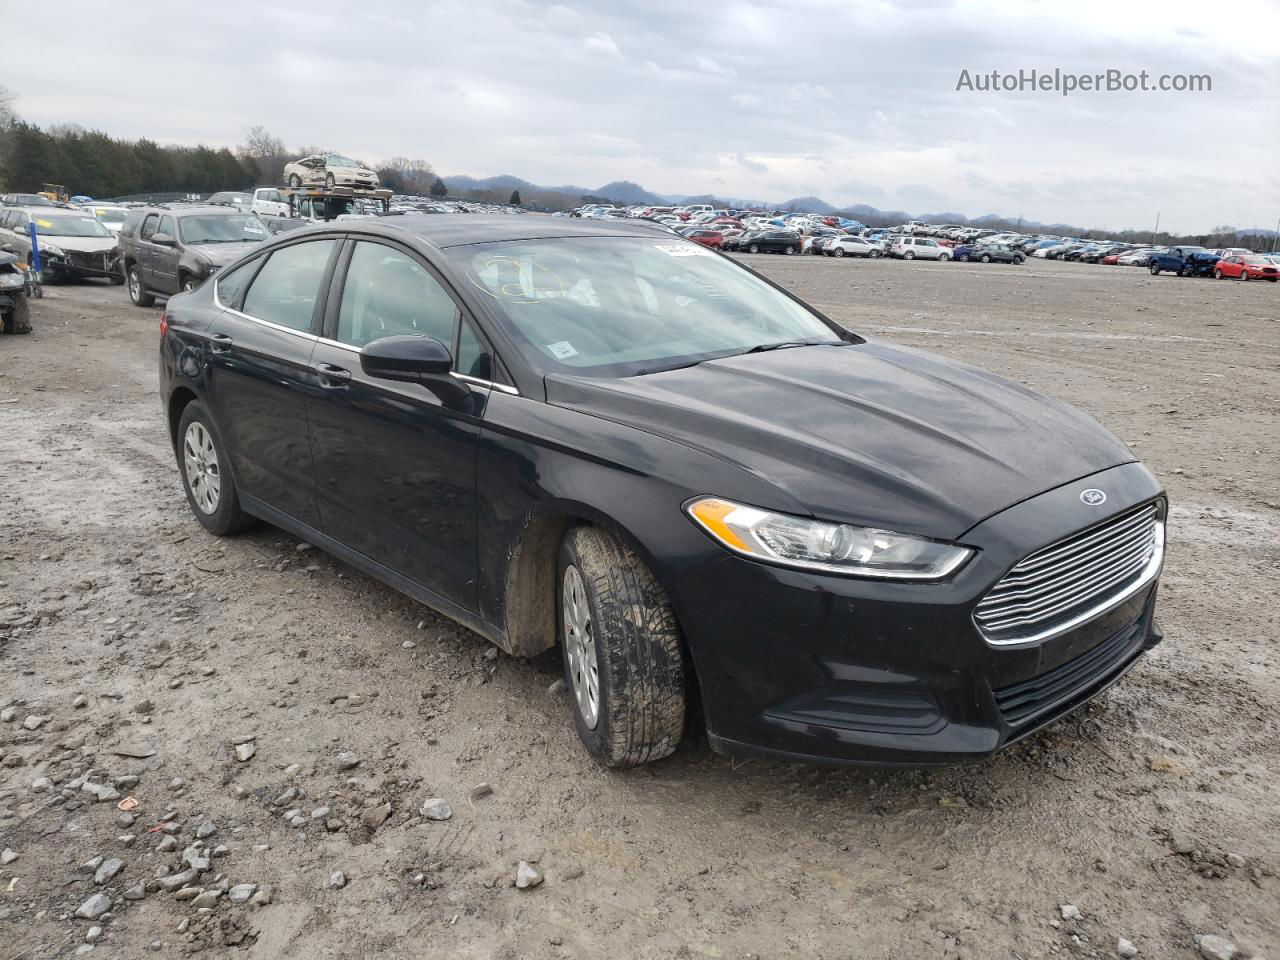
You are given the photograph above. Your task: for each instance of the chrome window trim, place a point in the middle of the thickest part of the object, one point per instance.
(266, 323)
(502, 387)
(1145, 578)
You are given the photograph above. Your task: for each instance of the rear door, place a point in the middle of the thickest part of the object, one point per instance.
(164, 259)
(144, 254)
(260, 351)
(395, 463)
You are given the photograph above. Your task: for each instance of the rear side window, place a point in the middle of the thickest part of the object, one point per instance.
(286, 288)
(231, 285)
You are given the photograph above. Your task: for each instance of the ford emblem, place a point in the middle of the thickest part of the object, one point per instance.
(1093, 497)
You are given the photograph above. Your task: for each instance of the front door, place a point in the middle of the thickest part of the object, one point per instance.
(395, 464)
(260, 348)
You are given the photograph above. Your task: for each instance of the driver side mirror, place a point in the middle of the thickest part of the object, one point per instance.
(162, 239)
(409, 359)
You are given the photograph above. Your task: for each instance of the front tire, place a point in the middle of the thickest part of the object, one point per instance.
(1217, 274)
(986, 258)
(1155, 271)
(295, 181)
(137, 292)
(754, 248)
(206, 476)
(329, 181)
(789, 250)
(622, 652)
(838, 252)
(909, 255)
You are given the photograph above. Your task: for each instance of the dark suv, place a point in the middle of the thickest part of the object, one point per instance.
(167, 250)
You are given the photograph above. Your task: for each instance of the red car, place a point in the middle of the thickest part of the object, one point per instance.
(708, 238)
(1247, 267)
(1110, 259)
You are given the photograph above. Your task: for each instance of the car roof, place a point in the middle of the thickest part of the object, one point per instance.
(461, 229)
(188, 209)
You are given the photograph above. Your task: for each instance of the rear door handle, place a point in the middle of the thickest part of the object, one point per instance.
(220, 343)
(331, 377)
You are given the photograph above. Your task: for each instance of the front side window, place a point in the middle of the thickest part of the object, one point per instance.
(388, 293)
(149, 225)
(166, 226)
(286, 288)
(620, 306)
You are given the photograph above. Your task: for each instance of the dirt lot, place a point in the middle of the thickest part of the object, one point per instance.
(1155, 812)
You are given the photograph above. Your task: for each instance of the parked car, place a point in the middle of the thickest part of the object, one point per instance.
(269, 202)
(919, 248)
(1251, 267)
(1185, 261)
(73, 244)
(166, 250)
(329, 170)
(233, 198)
(853, 247)
(15, 311)
(708, 238)
(111, 216)
(483, 413)
(989, 252)
(25, 200)
(773, 241)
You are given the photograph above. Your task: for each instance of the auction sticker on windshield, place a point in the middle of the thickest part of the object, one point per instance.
(683, 249)
(562, 350)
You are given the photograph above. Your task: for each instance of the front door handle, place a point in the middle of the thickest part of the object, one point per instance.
(331, 377)
(220, 343)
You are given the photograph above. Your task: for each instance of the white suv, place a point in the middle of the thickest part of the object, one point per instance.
(270, 202)
(919, 248)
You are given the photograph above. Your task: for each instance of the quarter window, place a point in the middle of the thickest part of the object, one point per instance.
(472, 360)
(286, 288)
(232, 284)
(388, 293)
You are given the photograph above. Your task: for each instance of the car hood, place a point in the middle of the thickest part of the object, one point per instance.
(871, 434)
(81, 244)
(220, 254)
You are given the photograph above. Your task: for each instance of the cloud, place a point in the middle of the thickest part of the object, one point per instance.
(677, 96)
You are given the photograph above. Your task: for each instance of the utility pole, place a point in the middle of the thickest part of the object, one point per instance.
(1274, 238)
(1156, 230)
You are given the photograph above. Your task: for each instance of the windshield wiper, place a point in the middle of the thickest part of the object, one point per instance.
(785, 344)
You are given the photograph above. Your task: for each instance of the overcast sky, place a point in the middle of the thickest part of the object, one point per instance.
(855, 102)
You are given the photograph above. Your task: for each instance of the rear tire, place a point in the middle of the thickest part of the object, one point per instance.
(619, 638)
(754, 248)
(986, 258)
(1155, 271)
(206, 474)
(329, 181)
(838, 252)
(137, 292)
(909, 255)
(1217, 274)
(295, 181)
(789, 250)
(1244, 275)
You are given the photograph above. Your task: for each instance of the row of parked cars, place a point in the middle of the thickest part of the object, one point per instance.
(746, 231)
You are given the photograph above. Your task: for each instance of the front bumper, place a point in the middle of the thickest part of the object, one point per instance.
(83, 265)
(847, 671)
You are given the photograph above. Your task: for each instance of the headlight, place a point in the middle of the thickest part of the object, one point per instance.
(829, 547)
(52, 250)
(11, 281)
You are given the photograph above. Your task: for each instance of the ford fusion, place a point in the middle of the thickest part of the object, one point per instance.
(614, 440)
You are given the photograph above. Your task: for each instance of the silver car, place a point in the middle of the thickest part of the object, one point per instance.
(329, 170)
(919, 248)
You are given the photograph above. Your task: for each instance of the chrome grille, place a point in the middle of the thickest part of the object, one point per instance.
(1074, 580)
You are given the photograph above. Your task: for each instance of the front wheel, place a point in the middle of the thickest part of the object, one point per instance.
(909, 255)
(189, 284)
(874, 254)
(329, 181)
(1155, 271)
(206, 478)
(944, 257)
(622, 652)
(838, 252)
(754, 248)
(137, 292)
(789, 250)
(295, 181)
(1244, 275)
(1217, 274)
(986, 258)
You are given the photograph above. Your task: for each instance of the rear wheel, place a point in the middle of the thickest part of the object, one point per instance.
(754, 248)
(986, 258)
(621, 650)
(838, 252)
(1155, 270)
(1217, 274)
(295, 181)
(210, 489)
(137, 292)
(944, 257)
(788, 250)
(189, 284)
(874, 254)
(909, 255)
(329, 181)
(1244, 274)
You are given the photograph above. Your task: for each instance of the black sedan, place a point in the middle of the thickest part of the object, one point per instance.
(605, 437)
(989, 253)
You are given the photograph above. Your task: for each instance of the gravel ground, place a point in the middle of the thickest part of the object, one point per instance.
(286, 718)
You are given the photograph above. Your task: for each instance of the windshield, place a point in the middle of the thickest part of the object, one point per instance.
(69, 227)
(618, 306)
(113, 215)
(221, 228)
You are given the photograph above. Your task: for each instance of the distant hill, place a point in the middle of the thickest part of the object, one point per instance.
(624, 192)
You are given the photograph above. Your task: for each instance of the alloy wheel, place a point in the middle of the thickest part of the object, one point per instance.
(204, 476)
(135, 286)
(580, 646)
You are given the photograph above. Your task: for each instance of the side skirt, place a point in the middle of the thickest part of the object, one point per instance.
(411, 588)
